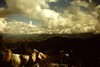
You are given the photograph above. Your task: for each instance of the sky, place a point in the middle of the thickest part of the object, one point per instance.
(53, 16)
(19, 17)
(59, 3)
(53, 6)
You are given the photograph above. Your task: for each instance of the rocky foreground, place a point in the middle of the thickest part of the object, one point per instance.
(85, 49)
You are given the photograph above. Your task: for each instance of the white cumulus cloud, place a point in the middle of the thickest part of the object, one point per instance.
(73, 19)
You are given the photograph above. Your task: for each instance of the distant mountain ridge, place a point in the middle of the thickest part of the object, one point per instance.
(40, 37)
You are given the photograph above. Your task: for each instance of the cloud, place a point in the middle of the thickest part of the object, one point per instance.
(73, 19)
(53, 0)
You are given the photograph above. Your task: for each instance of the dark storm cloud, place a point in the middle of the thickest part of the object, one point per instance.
(2, 3)
(97, 2)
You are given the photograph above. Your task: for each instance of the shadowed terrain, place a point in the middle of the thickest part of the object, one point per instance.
(85, 49)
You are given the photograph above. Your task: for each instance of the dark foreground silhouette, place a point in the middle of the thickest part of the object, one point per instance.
(86, 50)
